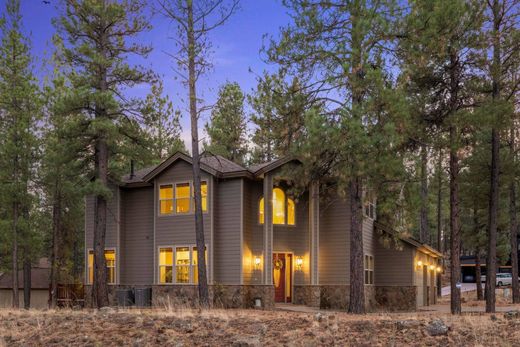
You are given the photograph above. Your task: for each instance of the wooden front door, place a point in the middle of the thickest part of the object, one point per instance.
(282, 277)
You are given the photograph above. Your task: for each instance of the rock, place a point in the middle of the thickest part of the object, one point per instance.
(246, 343)
(514, 314)
(407, 324)
(437, 328)
(493, 318)
(318, 317)
(107, 310)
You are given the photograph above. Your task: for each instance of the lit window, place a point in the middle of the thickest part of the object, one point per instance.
(166, 199)
(182, 264)
(182, 197)
(165, 265)
(204, 194)
(369, 269)
(290, 212)
(280, 206)
(261, 211)
(110, 258)
(195, 269)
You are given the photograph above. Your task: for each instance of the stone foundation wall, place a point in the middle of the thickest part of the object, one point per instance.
(396, 298)
(307, 295)
(225, 296)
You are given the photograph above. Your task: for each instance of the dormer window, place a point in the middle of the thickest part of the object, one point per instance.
(284, 210)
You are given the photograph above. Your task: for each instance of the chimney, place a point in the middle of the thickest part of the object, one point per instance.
(132, 169)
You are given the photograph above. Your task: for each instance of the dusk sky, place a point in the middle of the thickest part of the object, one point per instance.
(236, 47)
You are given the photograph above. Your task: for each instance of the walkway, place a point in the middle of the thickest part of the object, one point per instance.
(466, 287)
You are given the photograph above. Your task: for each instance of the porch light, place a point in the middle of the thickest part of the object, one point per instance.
(419, 263)
(439, 269)
(299, 263)
(432, 267)
(257, 262)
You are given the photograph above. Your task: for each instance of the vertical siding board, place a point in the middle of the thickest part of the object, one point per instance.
(393, 267)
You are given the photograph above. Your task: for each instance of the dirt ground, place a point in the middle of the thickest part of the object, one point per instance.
(186, 327)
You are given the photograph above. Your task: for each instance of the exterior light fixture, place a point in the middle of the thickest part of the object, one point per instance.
(439, 269)
(419, 263)
(432, 267)
(299, 263)
(257, 262)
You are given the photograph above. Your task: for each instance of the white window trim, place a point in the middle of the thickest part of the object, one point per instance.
(174, 201)
(115, 266)
(159, 264)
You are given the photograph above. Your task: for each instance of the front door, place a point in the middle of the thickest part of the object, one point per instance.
(282, 272)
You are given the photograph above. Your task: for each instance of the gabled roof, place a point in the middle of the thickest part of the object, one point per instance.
(260, 169)
(215, 165)
(39, 277)
(423, 247)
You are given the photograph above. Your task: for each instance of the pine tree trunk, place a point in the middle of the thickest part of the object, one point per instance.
(454, 224)
(491, 260)
(513, 229)
(100, 287)
(478, 275)
(424, 232)
(56, 227)
(199, 226)
(26, 281)
(16, 298)
(439, 219)
(357, 284)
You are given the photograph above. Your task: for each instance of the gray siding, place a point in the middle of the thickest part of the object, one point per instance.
(249, 274)
(334, 246)
(137, 236)
(393, 267)
(179, 230)
(228, 228)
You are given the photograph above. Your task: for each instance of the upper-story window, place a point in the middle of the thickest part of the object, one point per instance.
(369, 206)
(283, 209)
(178, 198)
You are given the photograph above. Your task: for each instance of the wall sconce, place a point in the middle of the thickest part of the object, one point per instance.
(432, 267)
(439, 269)
(257, 262)
(299, 263)
(419, 263)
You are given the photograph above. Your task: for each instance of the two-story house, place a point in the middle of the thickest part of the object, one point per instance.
(261, 242)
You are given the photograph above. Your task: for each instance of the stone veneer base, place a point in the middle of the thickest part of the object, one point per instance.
(377, 298)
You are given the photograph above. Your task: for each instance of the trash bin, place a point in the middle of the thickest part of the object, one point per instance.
(143, 297)
(125, 297)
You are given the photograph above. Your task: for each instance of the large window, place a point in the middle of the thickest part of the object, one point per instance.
(179, 265)
(369, 269)
(110, 258)
(178, 198)
(284, 209)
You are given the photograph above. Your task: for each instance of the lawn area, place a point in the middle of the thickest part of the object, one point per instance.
(251, 328)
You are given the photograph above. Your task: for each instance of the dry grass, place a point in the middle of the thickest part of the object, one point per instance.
(180, 326)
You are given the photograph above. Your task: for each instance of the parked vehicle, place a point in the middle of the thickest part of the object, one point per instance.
(503, 279)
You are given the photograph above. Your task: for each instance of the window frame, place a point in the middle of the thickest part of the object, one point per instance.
(174, 269)
(88, 282)
(286, 210)
(370, 204)
(172, 199)
(368, 259)
(159, 265)
(191, 198)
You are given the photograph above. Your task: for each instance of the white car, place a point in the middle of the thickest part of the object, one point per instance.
(503, 279)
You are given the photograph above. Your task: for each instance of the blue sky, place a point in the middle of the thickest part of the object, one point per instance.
(236, 47)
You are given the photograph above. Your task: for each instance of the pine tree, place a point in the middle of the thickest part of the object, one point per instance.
(194, 25)
(97, 38)
(161, 126)
(227, 129)
(279, 116)
(356, 138)
(19, 110)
